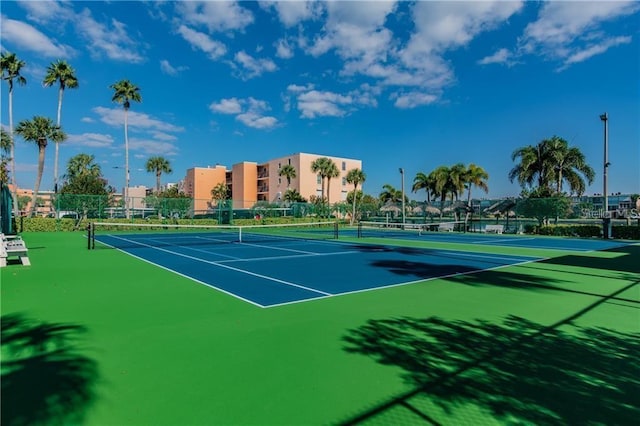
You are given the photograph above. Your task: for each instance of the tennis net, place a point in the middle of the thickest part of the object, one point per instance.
(404, 230)
(125, 235)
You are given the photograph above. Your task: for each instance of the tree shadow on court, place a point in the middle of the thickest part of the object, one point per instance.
(515, 371)
(377, 248)
(45, 378)
(420, 269)
(627, 261)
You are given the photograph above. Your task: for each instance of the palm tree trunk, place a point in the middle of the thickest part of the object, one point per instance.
(353, 211)
(55, 163)
(126, 165)
(158, 173)
(14, 193)
(41, 148)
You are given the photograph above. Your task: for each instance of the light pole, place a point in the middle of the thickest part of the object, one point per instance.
(403, 213)
(606, 220)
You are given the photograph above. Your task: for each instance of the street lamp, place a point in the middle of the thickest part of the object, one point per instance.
(403, 213)
(606, 220)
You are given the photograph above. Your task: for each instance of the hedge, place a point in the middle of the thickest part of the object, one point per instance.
(585, 231)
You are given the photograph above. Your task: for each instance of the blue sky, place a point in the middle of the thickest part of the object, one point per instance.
(395, 84)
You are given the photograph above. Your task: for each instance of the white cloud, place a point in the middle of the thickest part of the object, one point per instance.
(112, 40)
(595, 49)
(561, 23)
(413, 100)
(355, 30)
(314, 103)
(94, 140)
(44, 12)
(252, 67)
(257, 121)
(136, 121)
(201, 41)
(439, 27)
(283, 49)
(163, 136)
(226, 106)
(215, 15)
(571, 31)
(87, 120)
(24, 36)
(501, 56)
(152, 147)
(250, 112)
(167, 68)
(294, 88)
(292, 13)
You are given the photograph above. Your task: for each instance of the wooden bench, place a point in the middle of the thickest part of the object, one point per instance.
(498, 229)
(13, 246)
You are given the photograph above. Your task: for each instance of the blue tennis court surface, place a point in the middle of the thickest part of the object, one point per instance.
(289, 271)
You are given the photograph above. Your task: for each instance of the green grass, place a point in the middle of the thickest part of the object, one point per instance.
(545, 342)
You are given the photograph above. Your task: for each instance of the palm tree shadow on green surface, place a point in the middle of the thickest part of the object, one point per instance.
(45, 379)
(626, 262)
(515, 371)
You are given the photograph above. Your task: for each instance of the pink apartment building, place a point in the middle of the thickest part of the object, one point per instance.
(251, 182)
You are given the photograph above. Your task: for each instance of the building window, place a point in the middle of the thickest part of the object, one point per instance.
(279, 181)
(344, 181)
(319, 180)
(289, 161)
(279, 166)
(344, 165)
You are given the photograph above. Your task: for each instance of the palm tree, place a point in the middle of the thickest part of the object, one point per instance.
(426, 182)
(5, 154)
(475, 176)
(320, 166)
(570, 165)
(82, 165)
(355, 177)
(535, 166)
(289, 172)
(331, 172)
(11, 65)
(62, 73)
(158, 165)
(390, 194)
(123, 93)
(39, 130)
(220, 193)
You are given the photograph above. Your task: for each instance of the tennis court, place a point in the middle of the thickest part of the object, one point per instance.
(268, 268)
(417, 233)
(153, 327)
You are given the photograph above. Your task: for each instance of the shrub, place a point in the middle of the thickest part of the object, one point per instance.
(585, 231)
(626, 232)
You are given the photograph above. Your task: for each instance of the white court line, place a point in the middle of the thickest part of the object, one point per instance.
(453, 253)
(277, 248)
(293, 256)
(195, 249)
(501, 240)
(227, 267)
